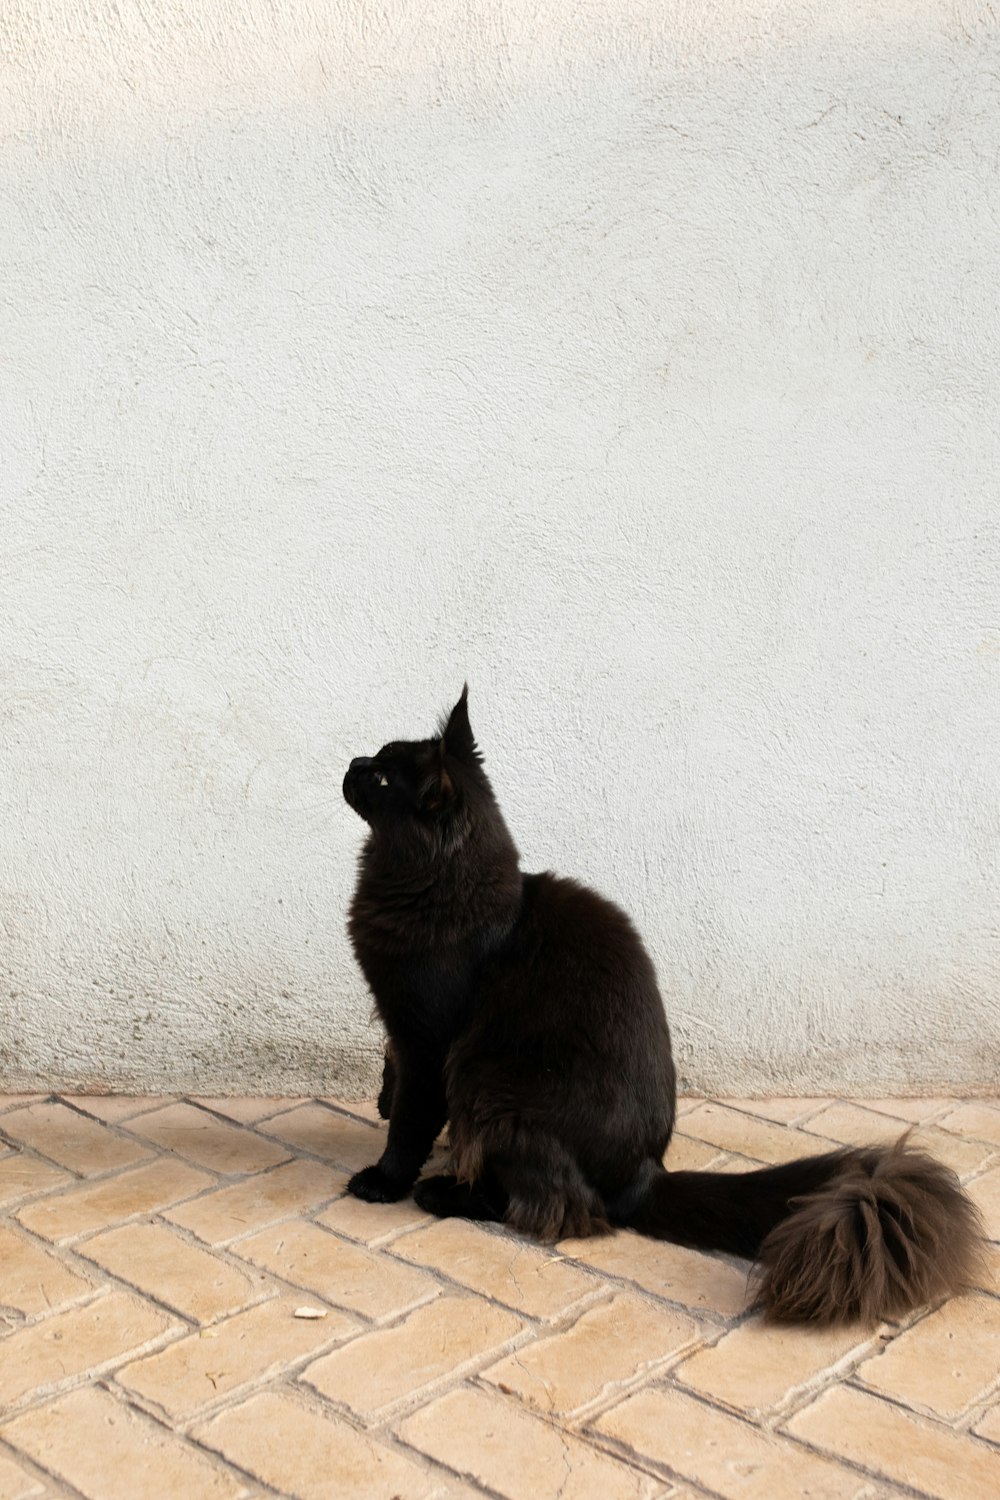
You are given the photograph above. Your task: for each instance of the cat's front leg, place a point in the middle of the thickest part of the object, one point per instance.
(418, 1113)
(388, 1082)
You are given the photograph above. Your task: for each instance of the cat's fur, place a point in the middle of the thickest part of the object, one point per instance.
(524, 1011)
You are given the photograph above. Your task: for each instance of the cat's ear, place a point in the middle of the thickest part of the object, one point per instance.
(456, 734)
(439, 788)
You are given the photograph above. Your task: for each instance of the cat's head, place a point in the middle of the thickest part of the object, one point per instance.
(420, 787)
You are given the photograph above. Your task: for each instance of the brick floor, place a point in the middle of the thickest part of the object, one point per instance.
(154, 1254)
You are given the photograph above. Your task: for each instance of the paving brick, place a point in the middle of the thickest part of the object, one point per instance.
(211, 1143)
(729, 1457)
(737, 1164)
(981, 1121)
(95, 1205)
(310, 1455)
(985, 1194)
(903, 1448)
(609, 1345)
(339, 1272)
(988, 1425)
(385, 1366)
(17, 1484)
(249, 1111)
(243, 1206)
(33, 1279)
(687, 1102)
(517, 1455)
(747, 1135)
(337, 1138)
(77, 1341)
(70, 1139)
(853, 1126)
(108, 1451)
(115, 1107)
(501, 1266)
(781, 1111)
(685, 1492)
(989, 1277)
(157, 1260)
(198, 1370)
(756, 1368)
(370, 1223)
(911, 1110)
(362, 1109)
(704, 1283)
(620, 1312)
(944, 1363)
(685, 1154)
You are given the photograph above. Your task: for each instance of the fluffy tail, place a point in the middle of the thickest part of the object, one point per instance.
(855, 1235)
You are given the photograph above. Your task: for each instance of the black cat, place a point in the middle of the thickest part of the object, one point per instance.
(524, 1010)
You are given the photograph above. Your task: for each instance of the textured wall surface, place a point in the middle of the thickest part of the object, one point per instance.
(639, 362)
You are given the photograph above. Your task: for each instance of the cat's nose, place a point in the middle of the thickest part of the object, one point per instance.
(361, 763)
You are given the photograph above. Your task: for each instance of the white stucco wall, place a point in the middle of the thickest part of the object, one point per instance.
(637, 361)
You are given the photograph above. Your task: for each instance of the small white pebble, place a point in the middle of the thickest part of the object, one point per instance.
(310, 1312)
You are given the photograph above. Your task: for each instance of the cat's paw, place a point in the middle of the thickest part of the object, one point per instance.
(372, 1184)
(443, 1196)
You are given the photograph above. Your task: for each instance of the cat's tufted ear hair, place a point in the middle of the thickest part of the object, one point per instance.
(457, 738)
(439, 789)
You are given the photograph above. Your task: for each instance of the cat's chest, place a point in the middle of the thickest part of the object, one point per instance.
(418, 996)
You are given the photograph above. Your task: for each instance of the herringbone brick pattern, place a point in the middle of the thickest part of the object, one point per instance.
(155, 1255)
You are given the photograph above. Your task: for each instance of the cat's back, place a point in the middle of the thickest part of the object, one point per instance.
(557, 911)
(573, 948)
(569, 1014)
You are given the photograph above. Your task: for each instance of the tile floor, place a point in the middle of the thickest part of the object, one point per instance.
(154, 1254)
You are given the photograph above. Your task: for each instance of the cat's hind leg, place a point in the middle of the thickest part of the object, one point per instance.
(539, 1193)
(549, 1198)
(450, 1199)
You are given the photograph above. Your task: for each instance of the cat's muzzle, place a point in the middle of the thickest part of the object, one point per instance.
(356, 782)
